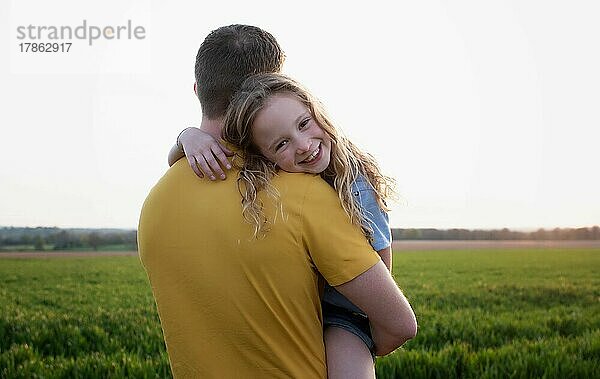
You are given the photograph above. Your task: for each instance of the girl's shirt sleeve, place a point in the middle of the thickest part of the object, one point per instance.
(377, 219)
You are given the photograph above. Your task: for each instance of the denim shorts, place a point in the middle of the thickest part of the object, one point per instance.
(353, 322)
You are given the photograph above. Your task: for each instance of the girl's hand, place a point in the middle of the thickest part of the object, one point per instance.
(204, 153)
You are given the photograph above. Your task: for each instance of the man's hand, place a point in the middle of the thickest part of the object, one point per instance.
(392, 319)
(204, 153)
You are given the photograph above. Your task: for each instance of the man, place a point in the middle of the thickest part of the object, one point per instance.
(234, 305)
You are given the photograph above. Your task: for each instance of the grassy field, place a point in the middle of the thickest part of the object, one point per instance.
(482, 314)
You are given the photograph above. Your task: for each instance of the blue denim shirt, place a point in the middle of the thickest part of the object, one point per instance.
(378, 221)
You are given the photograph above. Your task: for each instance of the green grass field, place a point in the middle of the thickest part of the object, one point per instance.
(482, 314)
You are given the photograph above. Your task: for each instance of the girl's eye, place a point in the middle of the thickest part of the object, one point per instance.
(280, 145)
(304, 123)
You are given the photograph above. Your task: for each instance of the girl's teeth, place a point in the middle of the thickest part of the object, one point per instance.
(312, 156)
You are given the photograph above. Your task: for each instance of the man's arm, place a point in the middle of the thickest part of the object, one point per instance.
(345, 259)
(386, 257)
(392, 319)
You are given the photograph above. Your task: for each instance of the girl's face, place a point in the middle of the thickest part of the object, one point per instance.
(286, 133)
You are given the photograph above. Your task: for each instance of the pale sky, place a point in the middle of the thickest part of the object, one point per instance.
(486, 113)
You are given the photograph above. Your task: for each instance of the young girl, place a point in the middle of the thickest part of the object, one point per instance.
(279, 125)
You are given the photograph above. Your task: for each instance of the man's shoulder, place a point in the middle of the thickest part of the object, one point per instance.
(179, 170)
(180, 175)
(308, 192)
(296, 178)
(301, 183)
(178, 182)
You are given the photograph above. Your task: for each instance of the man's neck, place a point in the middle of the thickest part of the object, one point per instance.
(212, 126)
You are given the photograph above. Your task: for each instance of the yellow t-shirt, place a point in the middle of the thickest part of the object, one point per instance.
(232, 305)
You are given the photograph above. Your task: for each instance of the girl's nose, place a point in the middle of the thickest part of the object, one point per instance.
(303, 146)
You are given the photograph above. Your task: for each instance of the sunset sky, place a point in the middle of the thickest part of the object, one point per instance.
(486, 113)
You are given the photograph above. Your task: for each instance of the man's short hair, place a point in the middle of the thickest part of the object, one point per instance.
(229, 55)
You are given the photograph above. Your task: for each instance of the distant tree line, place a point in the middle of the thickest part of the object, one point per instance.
(44, 238)
(591, 233)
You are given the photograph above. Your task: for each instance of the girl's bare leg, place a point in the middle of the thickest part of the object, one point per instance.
(347, 355)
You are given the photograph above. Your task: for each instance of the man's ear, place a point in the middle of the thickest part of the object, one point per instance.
(195, 89)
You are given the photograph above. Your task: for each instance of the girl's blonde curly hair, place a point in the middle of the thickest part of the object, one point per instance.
(346, 164)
